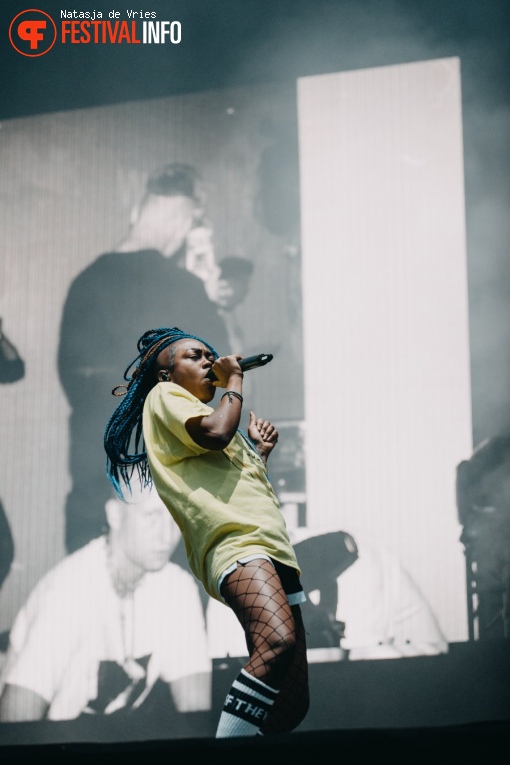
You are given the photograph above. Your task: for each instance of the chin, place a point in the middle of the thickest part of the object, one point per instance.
(206, 397)
(157, 564)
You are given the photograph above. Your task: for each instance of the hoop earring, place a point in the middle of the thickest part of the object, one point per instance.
(117, 390)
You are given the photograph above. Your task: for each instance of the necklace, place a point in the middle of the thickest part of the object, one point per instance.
(127, 619)
(125, 592)
(123, 589)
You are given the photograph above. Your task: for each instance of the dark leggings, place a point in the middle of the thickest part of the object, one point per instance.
(275, 638)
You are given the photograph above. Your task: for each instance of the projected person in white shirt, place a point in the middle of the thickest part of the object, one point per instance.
(109, 622)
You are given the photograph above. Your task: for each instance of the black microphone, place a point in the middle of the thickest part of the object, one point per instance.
(250, 362)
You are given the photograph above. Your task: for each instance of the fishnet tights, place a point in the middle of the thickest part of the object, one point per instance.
(275, 638)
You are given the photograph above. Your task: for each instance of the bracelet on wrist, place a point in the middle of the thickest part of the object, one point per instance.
(231, 393)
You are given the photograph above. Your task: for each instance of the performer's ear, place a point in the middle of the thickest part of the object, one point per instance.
(113, 510)
(163, 375)
(134, 214)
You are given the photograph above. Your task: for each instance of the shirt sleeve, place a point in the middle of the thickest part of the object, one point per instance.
(169, 407)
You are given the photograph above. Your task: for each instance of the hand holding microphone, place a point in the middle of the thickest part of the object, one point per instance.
(263, 434)
(249, 362)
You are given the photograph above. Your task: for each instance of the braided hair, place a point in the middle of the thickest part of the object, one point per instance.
(126, 422)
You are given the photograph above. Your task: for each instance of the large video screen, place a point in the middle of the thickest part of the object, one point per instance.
(321, 222)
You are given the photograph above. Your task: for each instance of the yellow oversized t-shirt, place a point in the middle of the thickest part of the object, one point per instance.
(221, 500)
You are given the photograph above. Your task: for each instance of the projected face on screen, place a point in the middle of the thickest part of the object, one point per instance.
(142, 534)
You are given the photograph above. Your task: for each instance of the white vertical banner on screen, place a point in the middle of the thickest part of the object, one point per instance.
(387, 387)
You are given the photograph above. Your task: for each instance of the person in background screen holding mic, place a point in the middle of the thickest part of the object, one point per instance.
(212, 478)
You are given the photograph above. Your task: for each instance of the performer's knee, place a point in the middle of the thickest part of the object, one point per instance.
(280, 650)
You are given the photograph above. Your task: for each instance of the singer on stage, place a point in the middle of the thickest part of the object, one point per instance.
(212, 478)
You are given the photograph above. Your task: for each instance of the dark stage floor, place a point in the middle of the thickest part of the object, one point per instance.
(482, 742)
(453, 708)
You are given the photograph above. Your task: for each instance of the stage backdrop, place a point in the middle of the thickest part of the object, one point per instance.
(387, 386)
(345, 195)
